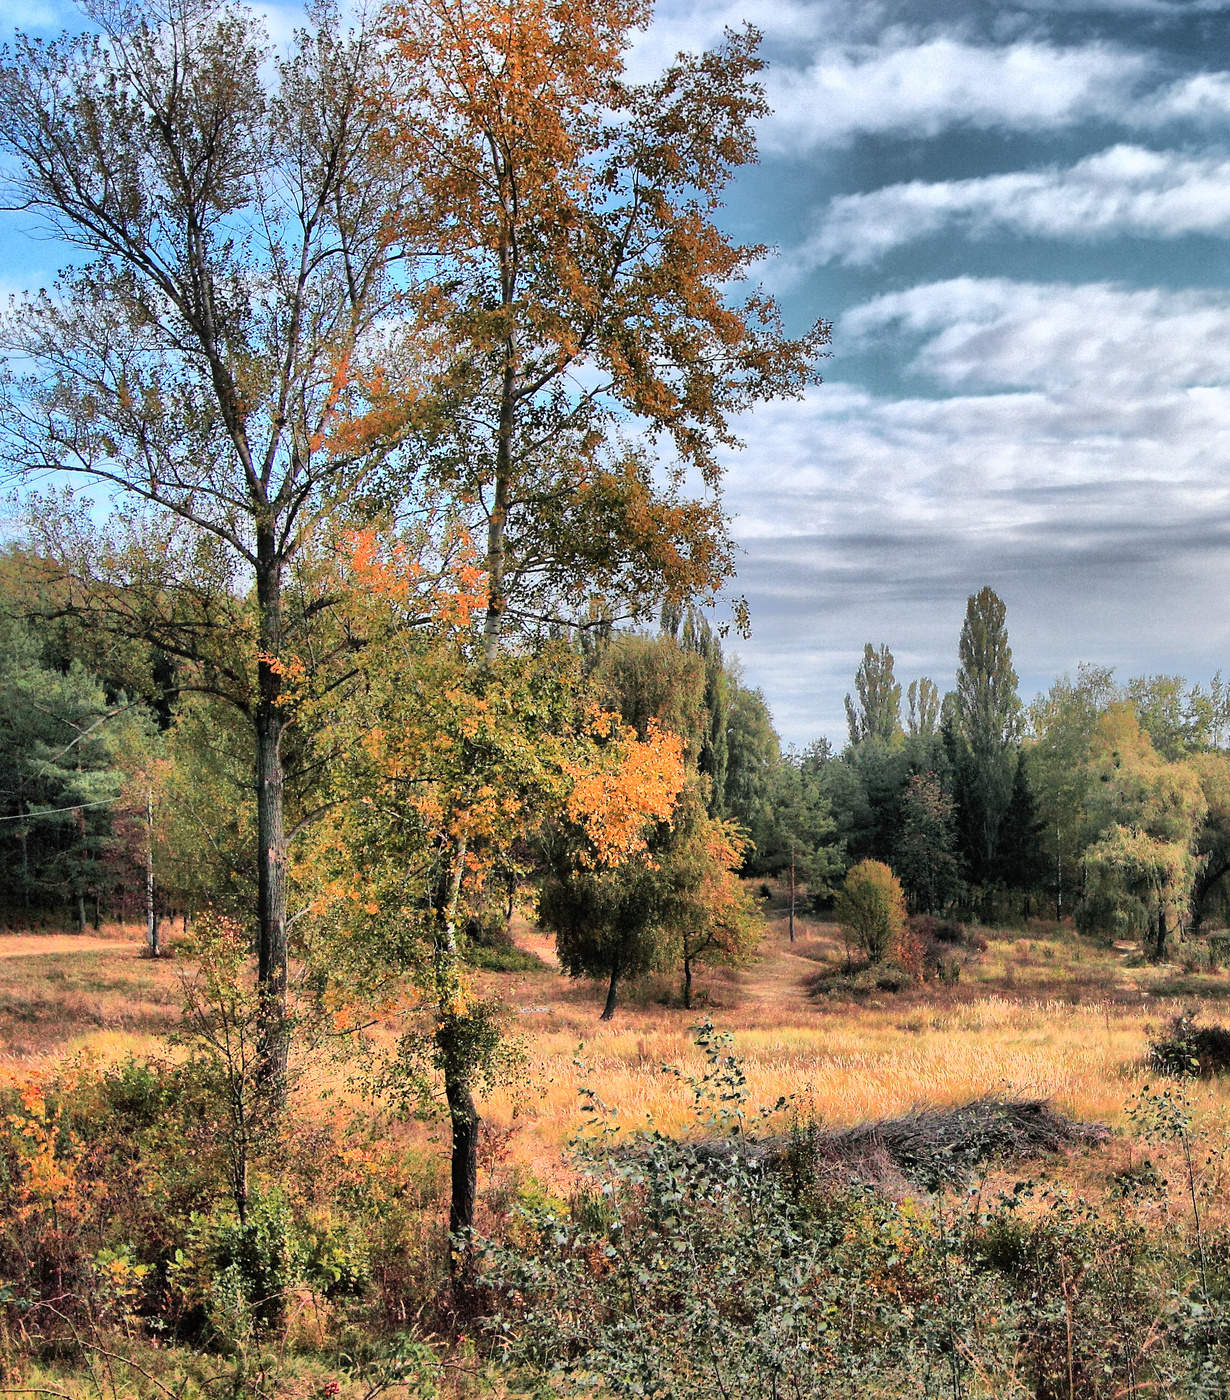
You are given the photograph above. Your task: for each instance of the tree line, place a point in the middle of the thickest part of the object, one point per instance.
(1099, 800)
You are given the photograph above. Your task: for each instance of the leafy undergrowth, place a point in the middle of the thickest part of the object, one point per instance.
(699, 1267)
(120, 1233)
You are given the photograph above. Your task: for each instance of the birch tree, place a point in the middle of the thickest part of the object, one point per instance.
(218, 327)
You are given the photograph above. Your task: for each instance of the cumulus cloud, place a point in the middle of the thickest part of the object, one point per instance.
(1124, 190)
(922, 88)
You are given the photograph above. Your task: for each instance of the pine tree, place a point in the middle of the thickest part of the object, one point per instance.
(1022, 860)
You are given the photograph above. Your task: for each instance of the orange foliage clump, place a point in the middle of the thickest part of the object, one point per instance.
(615, 803)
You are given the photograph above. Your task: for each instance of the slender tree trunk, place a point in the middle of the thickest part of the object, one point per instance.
(1058, 873)
(612, 990)
(80, 911)
(151, 913)
(497, 521)
(450, 1040)
(687, 982)
(792, 891)
(274, 1047)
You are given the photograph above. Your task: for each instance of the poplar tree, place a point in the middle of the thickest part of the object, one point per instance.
(924, 708)
(877, 712)
(988, 728)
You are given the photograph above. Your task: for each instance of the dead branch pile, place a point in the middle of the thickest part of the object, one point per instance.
(928, 1148)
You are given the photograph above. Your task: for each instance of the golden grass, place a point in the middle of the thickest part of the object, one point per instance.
(62, 992)
(1047, 1014)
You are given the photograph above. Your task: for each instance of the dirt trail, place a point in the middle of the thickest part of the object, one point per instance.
(778, 982)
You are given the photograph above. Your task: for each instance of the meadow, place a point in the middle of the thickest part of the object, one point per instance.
(1033, 1013)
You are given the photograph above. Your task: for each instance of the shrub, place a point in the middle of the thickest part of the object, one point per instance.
(870, 908)
(713, 1267)
(1189, 1049)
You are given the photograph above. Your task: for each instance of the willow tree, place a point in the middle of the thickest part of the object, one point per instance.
(220, 323)
(1147, 814)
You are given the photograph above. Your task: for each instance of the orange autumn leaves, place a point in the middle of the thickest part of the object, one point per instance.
(442, 750)
(614, 803)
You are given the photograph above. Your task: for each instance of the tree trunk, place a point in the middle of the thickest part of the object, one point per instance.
(792, 892)
(463, 1117)
(687, 982)
(1161, 937)
(609, 1009)
(497, 522)
(274, 1047)
(80, 911)
(151, 913)
(451, 1036)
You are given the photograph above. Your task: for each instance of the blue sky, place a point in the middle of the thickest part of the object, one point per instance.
(1017, 217)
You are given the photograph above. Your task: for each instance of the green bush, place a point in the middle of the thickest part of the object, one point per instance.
(870, 907)
(699, 1268)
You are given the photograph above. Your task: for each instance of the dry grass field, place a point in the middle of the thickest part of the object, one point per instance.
(1034, 1013)
(1044, 1014)
(1040, 1013)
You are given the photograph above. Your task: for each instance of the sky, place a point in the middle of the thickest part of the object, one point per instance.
(1017, 217)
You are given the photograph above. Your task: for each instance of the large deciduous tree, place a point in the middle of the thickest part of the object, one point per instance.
(876, 714)
(924, 708)
(573, 279)
(1063, 723)
(1147, 814)
(224, 315)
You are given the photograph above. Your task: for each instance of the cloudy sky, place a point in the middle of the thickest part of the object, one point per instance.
(1017, 217)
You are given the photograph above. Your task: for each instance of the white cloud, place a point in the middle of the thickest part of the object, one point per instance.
(1094, 343)
(1123, 190)
(691, 26)
(1077, 465)
(920, 89)
(1202, 98)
